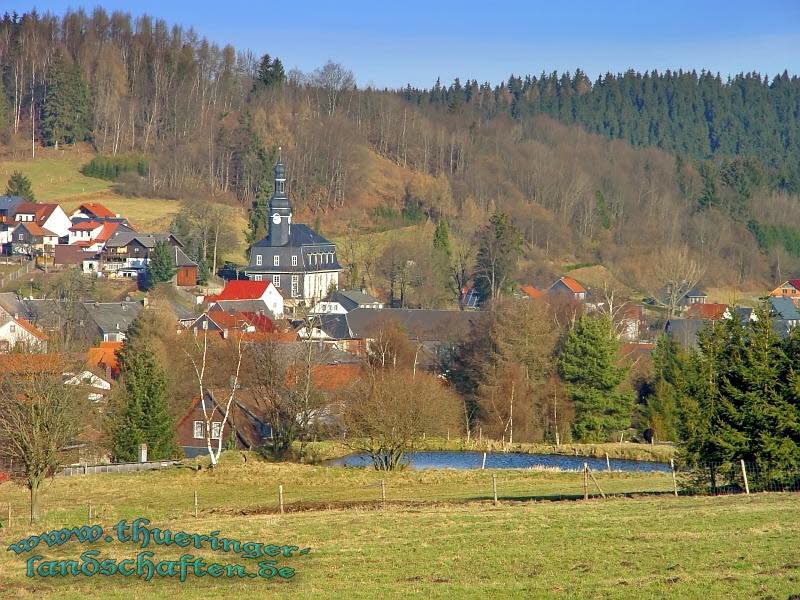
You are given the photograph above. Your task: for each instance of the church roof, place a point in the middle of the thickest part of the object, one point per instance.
(299, 235)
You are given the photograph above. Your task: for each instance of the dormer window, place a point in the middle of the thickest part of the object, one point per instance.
(276, 261)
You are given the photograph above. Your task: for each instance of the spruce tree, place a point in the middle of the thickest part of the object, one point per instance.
(161, 266)
(65, 106)
(500, 245)
(588, 365)
(19, 185)
(144, 417)
(441, 238)
(661, 408)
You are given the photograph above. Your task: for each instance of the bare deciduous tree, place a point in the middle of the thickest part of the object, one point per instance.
(39, 418)
(674, 273)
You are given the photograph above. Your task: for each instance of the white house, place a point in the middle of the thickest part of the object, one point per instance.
(49, 216)
(343, 301)
(15, 330)
(241, 290)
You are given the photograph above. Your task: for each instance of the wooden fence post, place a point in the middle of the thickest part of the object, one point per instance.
(383, 493)
(608, 463)
(280, 497)
(494, 488)
(674, 479)
(744, 475)
(599, 489)
(483, 464)
(585, 481)
(195, 504)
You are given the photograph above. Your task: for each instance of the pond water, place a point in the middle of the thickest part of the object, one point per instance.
(505, 460)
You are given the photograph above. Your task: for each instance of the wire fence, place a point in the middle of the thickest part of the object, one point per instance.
(372, 490)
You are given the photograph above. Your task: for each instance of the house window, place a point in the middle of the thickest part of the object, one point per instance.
(276, 280)
(258, 260)
(12, 328)
(136, 249)
(295, 286)
(21, 237)
(205, 324)
(216, 430)
(198, 430)
(276, 261)
(294, 261)
(257, 277)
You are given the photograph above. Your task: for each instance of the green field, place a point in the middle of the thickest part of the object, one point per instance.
(439, 534)
(55, 177)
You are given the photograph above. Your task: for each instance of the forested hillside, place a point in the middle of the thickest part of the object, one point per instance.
(611, 172)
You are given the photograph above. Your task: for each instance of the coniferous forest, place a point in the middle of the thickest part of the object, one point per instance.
(611, 171)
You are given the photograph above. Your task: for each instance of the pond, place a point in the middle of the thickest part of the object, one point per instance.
(505, 460)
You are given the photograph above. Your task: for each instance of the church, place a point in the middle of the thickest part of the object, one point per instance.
(298, 261)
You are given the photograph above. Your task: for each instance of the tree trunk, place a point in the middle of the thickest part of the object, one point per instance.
(33, 485)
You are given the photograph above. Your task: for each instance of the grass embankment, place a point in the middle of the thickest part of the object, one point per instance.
(727, 547)
(628, 451)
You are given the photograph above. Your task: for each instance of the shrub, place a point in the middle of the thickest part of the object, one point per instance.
(111, 167)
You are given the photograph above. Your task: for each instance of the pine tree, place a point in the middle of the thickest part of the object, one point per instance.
(145, 415)
(588, 365)
(20, 185)
(65, 107)
(441, 238)
(161, 266)
(500, 245)
(661, 407)
(269, 73)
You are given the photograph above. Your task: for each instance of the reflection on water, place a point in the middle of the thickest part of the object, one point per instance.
(503, 460)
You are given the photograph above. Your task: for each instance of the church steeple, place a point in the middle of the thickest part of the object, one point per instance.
(280, 211)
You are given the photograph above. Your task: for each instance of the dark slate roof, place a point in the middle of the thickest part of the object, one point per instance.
(9, 204)
(782, 327)
(351, 299)
(335, 326)
(182, 259)
(111, 317)
(695, 293)
(299, 235)
(684, 331)
(147, 240)
(784, 309)
(745, 313)
(419, 324)
(232, 306)
(13, 304)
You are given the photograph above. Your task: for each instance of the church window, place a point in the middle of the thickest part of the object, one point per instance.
(276, 260)
(258, 260)
(294, 260)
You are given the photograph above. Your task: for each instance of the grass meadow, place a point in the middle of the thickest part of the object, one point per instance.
(439, 535)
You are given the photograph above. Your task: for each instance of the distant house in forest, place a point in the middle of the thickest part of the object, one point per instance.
(708, 311)
(343, 301)
(788, 289)
(569, 286)
(693, 296)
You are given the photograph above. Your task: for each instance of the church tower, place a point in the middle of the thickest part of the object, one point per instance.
(280, 211)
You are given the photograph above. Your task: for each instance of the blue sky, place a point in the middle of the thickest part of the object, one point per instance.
(389, 43)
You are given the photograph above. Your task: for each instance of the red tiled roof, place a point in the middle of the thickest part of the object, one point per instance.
(327, 378)
(96, 209)
(795, 283)
(531, 291)
(31, 328)
(39, 210)
(36, 229)
(709, 311)
(107, 231)
(241, 290)
(86, 225)
(573, 285)
(105, 355)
